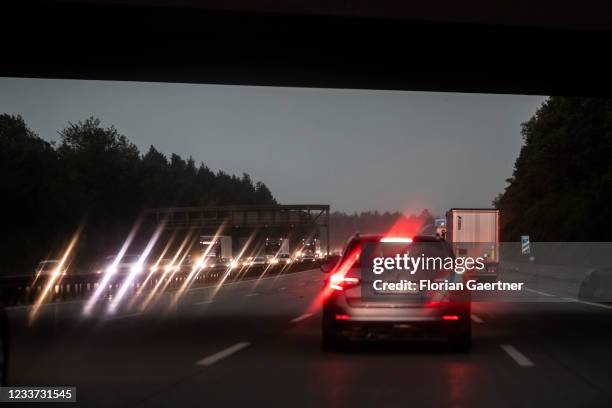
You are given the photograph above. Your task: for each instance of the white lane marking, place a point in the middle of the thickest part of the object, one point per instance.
(517, 356)
(213, 358)
(584, 302)
(538, 292)
(251, 294)
(300, 318)
(125, 316)
(283, 288)
(476, 319)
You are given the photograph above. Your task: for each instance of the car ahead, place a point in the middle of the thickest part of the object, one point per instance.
(258, 260)
(220, 263)
(350, 313)
(127, 264)
(50, 267)
(164, 265)
(284, 259)
(308, 258)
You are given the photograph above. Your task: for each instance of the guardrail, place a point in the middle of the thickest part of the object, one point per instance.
(23, 290)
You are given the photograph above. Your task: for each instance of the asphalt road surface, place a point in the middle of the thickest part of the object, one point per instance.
(254, 344)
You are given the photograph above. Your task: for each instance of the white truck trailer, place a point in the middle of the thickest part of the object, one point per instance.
(474, 232)
(220, 246)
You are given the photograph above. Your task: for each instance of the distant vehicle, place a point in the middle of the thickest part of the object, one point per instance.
(220, 263)
(284, 258)
(214, 247)
(348, 315)
(127, 264)
(164, 265)
(310, 249)
(258, 260)
(275, 246)
(474, 233)
(440, 226)
(50, 267)
(308, 258)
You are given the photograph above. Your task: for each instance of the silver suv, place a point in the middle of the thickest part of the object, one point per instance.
(349, 313)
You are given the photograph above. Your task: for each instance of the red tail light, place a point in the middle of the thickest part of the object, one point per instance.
(396, 240)
(339, 281)
(450, 317)
(343, 317)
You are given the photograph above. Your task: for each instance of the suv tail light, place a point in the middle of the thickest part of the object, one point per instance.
(339, 281)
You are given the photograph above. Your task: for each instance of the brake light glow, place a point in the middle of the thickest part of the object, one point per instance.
(342, 317)
(396, 239)
(450, 317)
(340, 282)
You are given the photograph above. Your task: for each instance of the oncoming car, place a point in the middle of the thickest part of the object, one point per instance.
(349, 313)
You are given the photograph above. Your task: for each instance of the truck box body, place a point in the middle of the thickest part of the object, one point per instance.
(221, 246)
(475, 233)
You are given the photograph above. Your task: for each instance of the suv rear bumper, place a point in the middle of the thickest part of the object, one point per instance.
(418, 321)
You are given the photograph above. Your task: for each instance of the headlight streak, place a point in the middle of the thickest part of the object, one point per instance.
(228, 270)
(195, 269)
(135, 270)
(284, 267)
(169, 270)
(56, 276)
(110, 272)
(152, 272)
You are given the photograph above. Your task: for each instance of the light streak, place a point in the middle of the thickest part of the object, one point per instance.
(56, 276)
(111, 270)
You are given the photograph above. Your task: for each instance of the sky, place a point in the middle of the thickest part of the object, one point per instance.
(356, 150)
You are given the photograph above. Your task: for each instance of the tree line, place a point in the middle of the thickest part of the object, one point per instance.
(343, 225)
(96, 176)
(561, 186)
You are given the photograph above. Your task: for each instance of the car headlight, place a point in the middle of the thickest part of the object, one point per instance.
(136, 268)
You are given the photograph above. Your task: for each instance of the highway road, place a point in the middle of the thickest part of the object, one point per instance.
(254, 344)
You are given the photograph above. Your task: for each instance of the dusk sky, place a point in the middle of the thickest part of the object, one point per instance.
(356, 150)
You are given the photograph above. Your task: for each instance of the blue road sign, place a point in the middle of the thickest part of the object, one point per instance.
(525, 249)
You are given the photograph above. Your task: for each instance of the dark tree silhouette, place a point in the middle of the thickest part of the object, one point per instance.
(561, 186)
(97, 176)
(343, 225)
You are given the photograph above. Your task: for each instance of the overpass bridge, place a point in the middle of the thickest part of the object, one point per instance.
(242, 219)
